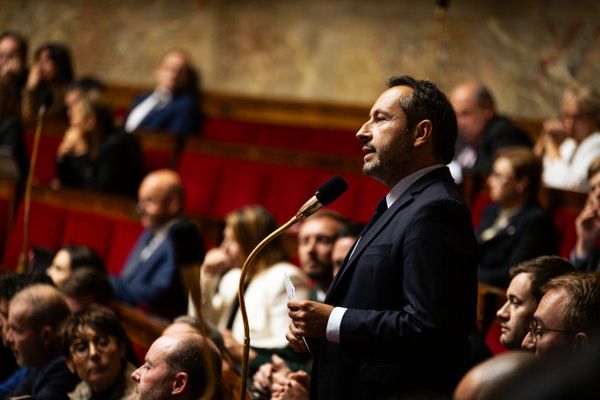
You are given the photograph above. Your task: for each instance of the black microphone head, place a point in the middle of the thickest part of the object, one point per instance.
(46, 98)
(331, 190)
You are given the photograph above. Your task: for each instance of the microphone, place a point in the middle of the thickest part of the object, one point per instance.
(326, 194)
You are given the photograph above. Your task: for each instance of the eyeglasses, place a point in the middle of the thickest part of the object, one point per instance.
(537, 332)
(80, 349)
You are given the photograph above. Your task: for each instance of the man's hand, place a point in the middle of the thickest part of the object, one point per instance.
(309, 319)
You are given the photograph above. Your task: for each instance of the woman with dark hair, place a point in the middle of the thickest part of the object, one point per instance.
(514, 228)
(71, 257)
(50, 75)
(95, 347)
(265, 295)
(95, 156)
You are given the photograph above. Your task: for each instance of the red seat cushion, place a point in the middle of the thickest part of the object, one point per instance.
(125, 234)
(87, 229)
(243, 183)
(45, 168)
(201, 176)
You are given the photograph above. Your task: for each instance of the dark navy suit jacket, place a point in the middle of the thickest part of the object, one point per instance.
(181, 116)
(155, 283)
(410, 287)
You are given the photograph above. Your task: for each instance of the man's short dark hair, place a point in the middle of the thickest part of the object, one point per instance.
(188, 356)
(484, 97)
(542, 270)
(428, 102)
(582, 310)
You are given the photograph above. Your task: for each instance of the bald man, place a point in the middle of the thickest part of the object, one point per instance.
(174, 368)
(34, 318)
(169, 242)
(487, 375)
(173, 106)
(481, 132)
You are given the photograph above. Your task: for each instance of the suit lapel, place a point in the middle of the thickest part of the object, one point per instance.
(367, 237)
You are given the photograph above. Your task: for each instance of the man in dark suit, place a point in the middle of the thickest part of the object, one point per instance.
(398, 313)
(481, 131)
(151, 276)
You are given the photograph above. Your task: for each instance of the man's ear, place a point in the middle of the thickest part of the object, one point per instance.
(582, 340)
(179, 383)
(422, 133)
(47, 335)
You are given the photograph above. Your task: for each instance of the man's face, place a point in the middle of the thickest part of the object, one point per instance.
(10, 61)
(386, 143)
(154, 204)
(515, 315)
(549, 318)
(153, 378)
(24, 340)
(315, 243)
(470, 116)
(171, 73)
(341, 247)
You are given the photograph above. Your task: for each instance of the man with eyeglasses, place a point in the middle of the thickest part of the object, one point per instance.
(34, 317)
(523, 295)
(150, 277)
(567, 316)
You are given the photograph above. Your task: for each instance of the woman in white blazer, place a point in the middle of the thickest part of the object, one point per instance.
(265, 294)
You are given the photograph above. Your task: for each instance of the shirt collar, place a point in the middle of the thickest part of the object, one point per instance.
(400, 187)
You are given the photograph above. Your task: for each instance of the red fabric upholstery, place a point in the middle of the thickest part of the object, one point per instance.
(156, 158)
(280, 136)
(243, 183)
(125, 234)
(334, 141)
(201, 176)
(45, 230)
(229, 130)
(86, 229)
(564, 222)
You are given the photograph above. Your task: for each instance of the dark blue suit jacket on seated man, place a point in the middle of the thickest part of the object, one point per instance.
(404, 301)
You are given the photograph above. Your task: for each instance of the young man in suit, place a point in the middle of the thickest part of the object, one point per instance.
(397, 316)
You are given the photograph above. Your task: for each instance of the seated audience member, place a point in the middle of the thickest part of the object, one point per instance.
(524, 294)
(514, 227)
(51, 73)
(567, 316)
(34, 318)
(315, 244)
(568, 146)
(13, 62)
(71, 257)
(93, 155)
(265, 294)
(88, 87)
(586, 256)
(481, 131)
(484, 377)
(344, 243)
(12, 136)
(95, 347)
(173, 106)
(175, 368)
(86, 286)
(169, 242)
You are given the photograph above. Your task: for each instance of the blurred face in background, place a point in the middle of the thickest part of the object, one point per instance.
(576, 123)
(47, 66)
(232, 247)
(505, 188)
(171, 75)
(11, 62)
(315, 244)
(60, 269)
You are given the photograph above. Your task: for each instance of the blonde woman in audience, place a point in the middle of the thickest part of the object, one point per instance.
(265, 295)
(569, 145)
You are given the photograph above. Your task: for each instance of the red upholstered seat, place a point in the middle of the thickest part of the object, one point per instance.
(201, 176)
(229, 130)
(243, 183)
(125, 234)
(564, 223)
(87, 229)
(332, 141)
(282, 136)
(45, 230)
